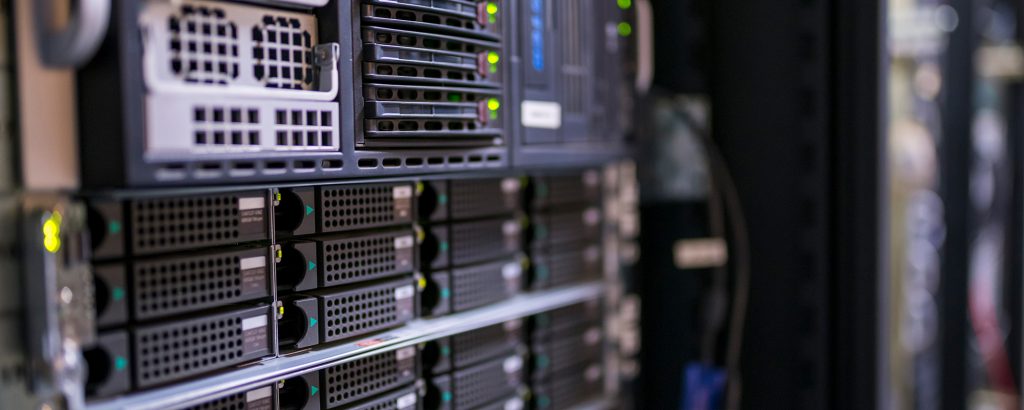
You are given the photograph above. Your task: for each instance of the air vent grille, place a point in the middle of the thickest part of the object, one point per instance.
(167, 224)
(487, 382)
(362, 378)
(483, 240)
(348, 207)
(176, 350)
(480, 285)
(471, 198)
(360, 311)
(475, 346)
(362, 258)
(168, 286)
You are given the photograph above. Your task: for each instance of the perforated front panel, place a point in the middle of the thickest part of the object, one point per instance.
(479, 285)
(261, 398)
(360, 311)
(486, 382)
(366, 257)
(573, 316)
(404, 399)
(475, 346)
(175, 350)
(479, 241)
(472, 198)
(172, 285)
(565, 227)
(363, 378)
(348, 207)
(176, 223)
(232, 402)
(567, 349)
(565, 265)
(563, 190)
(567, 388)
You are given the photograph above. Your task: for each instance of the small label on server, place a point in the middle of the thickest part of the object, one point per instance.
(259, 399)
(402, 195)
(254, 274)
(251, 215)
(254, 334)
(404, 251)
(406, 401)
(541, 114)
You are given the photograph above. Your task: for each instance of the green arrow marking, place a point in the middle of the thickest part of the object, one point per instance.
(118, 293)
(445, 293)
(309, 210)
(312, 265)
(444, 246)
(313, 390)
(446, 396)
(442, 199)
(114, 227)
(120, 363)
(312, 321)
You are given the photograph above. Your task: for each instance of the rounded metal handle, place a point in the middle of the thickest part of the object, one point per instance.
(78, 40)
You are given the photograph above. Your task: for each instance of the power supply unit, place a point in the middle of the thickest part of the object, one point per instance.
(467, 287)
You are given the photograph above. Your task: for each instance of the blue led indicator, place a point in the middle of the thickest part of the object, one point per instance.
(537, 33)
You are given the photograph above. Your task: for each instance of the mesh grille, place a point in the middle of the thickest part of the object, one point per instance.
(570, 226)
(364, 206)
(472, 198)
(188, 222)
(486, 382)
(233, 402)
(360, 311)
(569, 317)
(480, 285)
(560, 190)
(473, 347)
(567, 266)
(284, 53)
(204, 45)
(362, 378)
(174, 285)
(568, 349)
(176, 350)
(483, 240)
(366, 257)
(406, 397)
(568, 388)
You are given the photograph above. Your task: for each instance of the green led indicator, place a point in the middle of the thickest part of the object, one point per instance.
(120, 363)
(625, 29)
(492, 8)
(313, 390)
(312, 265)
(309, 210)
(446, 396)
(493, 104)
(114, 227)
(493, 57)
(444, 246)
(312, 321)
(445, 293)
(455, 97)
(118, 293)
(442, 199)
(624, 4)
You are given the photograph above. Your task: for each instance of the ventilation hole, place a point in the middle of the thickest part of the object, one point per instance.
(277, 165)
(305, 164)
(413, 162)
(392, 162)
(329, 164)
(367, 163)
(455, 160)
(435, 161)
